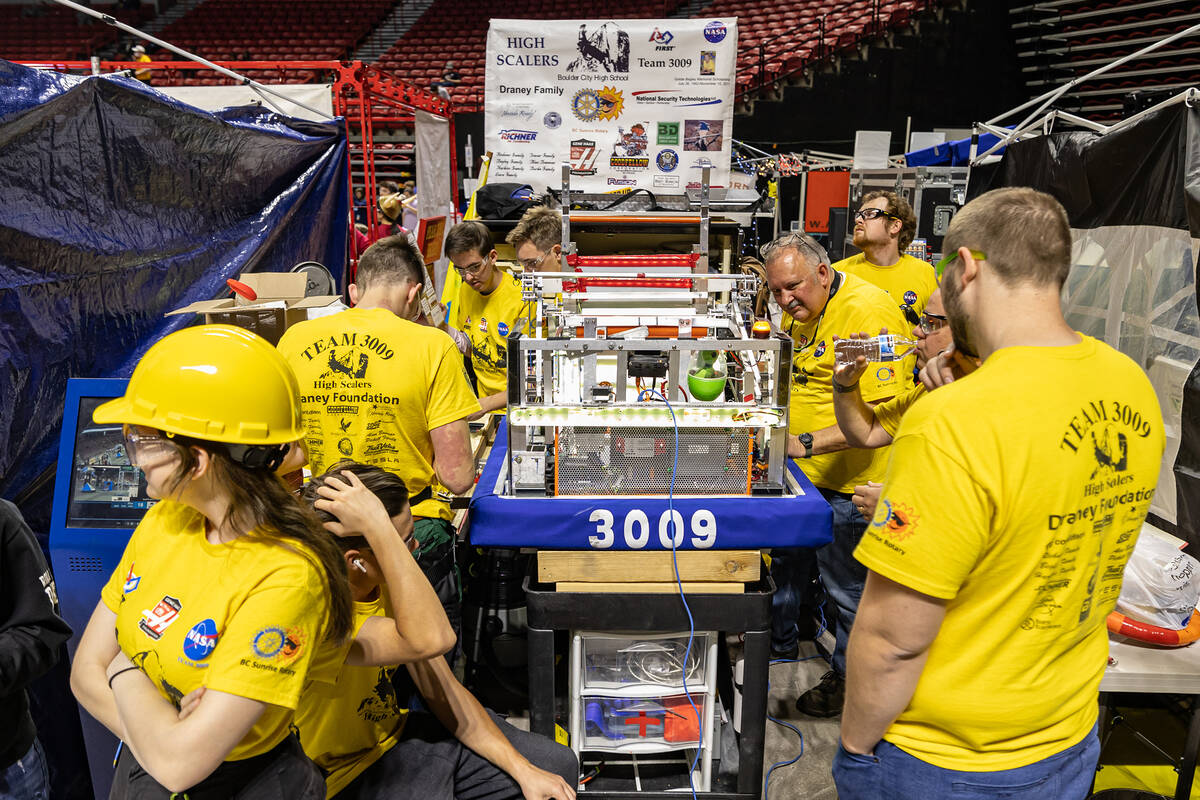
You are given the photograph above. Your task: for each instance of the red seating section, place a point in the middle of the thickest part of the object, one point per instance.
(50, 32)
(1076, 38)
(273, 30)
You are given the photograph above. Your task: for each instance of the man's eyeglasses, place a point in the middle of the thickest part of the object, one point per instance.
(531, 264)
(470, 270)
(940, 266)
(932, 322)
(873, 213)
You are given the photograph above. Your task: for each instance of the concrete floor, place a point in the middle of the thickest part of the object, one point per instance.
(809, 778)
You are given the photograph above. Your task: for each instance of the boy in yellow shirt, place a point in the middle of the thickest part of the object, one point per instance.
(487, 309)
(356, 731)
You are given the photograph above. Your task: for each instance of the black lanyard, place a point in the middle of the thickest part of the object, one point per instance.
(803, 377)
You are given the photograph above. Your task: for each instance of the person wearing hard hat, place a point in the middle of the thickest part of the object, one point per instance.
(228, 582)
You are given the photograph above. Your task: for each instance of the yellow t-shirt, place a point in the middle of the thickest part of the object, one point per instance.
(487, 319)
(1016, 494)
(856, 306)
(889, 412)
(245, 618)
(909, 281)
(346, 727)
(372, 387)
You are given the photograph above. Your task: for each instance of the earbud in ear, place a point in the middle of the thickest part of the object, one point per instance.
(358, 565)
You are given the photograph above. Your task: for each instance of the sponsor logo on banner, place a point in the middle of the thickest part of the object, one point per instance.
(622, 182)
(666, 181)
(518, 111)
(603, 49)
(668, 133)
(583, 160)
(518, 136)
(590, 105)
(667, 160)
(662, 40)
(703, 134)
(628, 164)
(708, 62)
(634, 143)
(552, 120)
(715, 31)
(200, 641)
(526, 59)
(670, 97)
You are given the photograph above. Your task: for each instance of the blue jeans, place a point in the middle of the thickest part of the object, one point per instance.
(843, 575)
(27, 778)
(792, 569)
(892, 774)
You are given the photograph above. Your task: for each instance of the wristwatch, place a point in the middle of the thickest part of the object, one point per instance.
(806, 439)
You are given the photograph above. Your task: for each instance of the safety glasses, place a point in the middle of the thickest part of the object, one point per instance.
(873, 213)
(530, 264)
(145, 445)
(932, 322)
(940, 266)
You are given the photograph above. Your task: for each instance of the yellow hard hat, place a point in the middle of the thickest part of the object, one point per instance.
(214, 382)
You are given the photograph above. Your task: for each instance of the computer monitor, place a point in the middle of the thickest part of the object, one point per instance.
(106, 490)
(99, 498)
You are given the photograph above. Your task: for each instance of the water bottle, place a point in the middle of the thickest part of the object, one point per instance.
(888, 347)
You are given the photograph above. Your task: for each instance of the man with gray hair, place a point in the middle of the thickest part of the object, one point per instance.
(820, 303)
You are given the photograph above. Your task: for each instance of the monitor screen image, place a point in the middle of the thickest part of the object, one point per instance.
(106, 490)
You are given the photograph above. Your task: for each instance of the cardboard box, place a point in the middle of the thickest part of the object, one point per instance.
(281, 303)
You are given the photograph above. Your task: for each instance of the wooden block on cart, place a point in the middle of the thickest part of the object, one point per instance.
(689, 587)
(738, 566)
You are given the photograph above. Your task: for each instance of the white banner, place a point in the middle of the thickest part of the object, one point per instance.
(628, 104)
(216, 98)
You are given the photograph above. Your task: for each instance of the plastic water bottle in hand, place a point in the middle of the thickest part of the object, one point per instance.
(888, 347)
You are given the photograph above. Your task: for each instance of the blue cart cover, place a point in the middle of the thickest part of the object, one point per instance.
(644, 522)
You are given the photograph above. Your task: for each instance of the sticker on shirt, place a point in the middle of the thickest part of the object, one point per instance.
(131, 580)
(502, 329)
(802, 340)
(820, 351)
(155, 621)
(910, 297)
(201, 640)
(483, 324)
(896, 521)
(278, 644)
(884, 374)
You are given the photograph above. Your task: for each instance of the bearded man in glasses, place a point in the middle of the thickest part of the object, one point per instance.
(820, 303)
(884, 226)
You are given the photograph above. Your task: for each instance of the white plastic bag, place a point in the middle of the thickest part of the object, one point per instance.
(1162, 584)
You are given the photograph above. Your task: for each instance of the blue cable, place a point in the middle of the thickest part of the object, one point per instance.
(789, 726)
(679, 584)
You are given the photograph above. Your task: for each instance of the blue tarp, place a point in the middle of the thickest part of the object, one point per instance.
(643, 523)
(951, 154)
(120, 204)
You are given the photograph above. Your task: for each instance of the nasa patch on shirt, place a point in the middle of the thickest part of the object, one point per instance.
(910, 297)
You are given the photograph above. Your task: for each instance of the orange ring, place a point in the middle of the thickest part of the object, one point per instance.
(1153, 634)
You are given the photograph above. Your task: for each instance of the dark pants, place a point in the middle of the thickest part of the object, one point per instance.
(436, 558)
(842, 575)
(283, 773)
(430, 764)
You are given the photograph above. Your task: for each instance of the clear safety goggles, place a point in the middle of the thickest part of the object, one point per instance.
(145, 445)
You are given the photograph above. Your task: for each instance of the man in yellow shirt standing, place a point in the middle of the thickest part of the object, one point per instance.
(381, 389)
(884, 226)
(820, 303)
(980, 641)
(537, 238)
(487, 309)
